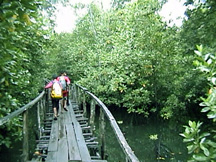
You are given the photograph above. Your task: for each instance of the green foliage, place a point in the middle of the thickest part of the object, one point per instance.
(198, 144)
(22, 41)
(202, 146)
(206, 64)
(119, 4)
(210, 106)
(123, 70)
(199, 26)
(199, 29)
(129, 58)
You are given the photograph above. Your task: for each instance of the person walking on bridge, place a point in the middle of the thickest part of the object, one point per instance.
(65, 74)
(56, 94)
(65, 81)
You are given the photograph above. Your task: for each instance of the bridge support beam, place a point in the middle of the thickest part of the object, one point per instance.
(39, 117)
(102, 133)
(25, 155)
(92, 114)
(84, 105)
(79, 97)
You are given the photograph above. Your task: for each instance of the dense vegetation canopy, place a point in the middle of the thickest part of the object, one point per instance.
(127, 56)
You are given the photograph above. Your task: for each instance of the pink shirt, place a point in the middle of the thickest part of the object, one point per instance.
(66, 79)
(49, 85)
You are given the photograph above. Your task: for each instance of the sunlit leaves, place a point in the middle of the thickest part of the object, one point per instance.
(206, 63)
(127, 57)
(21, 49)
(200, 29)
(198, 144)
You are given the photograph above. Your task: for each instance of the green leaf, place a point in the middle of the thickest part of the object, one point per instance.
(200, 48)
(211, 115)
(205, 109)
(207, 57)
(211, 143)
(198, 53)
(191, 148)
(213, 80)
(205, 134)
(204, 69)
(200, 157)
(188, 139)
(190, 123)
(205, 150)
(182, 134)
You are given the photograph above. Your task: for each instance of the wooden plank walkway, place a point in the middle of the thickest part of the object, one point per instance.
(70, 138)
(67, 143)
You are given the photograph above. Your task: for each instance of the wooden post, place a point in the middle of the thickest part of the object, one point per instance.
(73, 92)
(45, 106)
(25, 137)
(84, 104)
(79, 97)
(76, 94)
(39, 118)
(102, 133)
(126, 159)
(92, 113)
(47, 98)
(42, 112)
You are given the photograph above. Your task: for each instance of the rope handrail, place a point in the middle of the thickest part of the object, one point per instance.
(7, 118)
(123, 143)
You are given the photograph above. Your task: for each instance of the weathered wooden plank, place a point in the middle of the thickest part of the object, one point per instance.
(75, 107)
(85, 156)
(78, 115)
(62, 154)
(78, 111)
(62, 131)
(73, 151)
(67, 118)
(44, 137)
(82, 119)
(53, 143)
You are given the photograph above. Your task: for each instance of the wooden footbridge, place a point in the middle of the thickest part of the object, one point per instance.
(74, 136)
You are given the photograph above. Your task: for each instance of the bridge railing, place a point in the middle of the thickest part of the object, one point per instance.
(33, 115)
(81, 94)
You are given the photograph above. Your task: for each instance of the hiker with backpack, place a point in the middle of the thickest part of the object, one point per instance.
(65, 81)
(65, 74)
(56, 94)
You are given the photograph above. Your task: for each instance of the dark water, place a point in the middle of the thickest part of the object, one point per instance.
(167, 146)
(12, 154)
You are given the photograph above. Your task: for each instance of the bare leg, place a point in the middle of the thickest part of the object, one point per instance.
(65, 104)
(55, 113)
